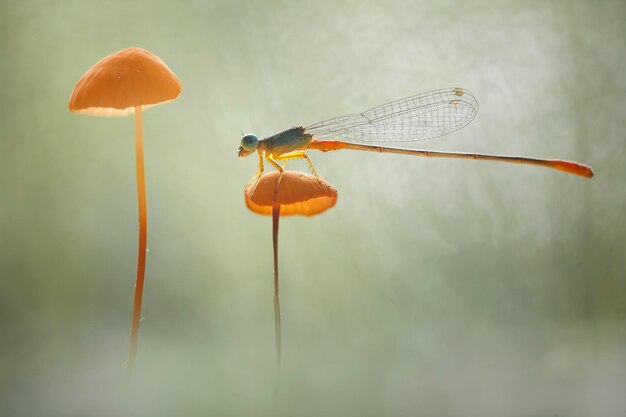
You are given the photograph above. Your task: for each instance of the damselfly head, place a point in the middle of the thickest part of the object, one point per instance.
(248, 145)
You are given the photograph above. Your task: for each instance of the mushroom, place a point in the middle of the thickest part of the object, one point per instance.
(122, 84)
(287, 193)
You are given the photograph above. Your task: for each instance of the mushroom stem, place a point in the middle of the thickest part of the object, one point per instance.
(143, 231)
(277, 326)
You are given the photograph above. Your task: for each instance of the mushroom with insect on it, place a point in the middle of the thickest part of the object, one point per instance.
(121, 84)
(287, 193)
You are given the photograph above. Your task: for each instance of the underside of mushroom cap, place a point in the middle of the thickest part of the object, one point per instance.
(295, 192)
(123, 80)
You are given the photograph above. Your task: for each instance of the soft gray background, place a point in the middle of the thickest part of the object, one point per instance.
(434, 287)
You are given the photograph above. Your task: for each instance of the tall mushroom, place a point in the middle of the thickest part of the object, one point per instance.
(122, 84)
(287, 193)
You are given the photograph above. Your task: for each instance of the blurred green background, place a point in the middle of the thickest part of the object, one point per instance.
(434, 287)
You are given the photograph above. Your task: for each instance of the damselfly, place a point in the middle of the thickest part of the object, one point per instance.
(420, 117)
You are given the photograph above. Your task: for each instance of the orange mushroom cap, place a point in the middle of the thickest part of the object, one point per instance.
(125, 79)
(295, 192)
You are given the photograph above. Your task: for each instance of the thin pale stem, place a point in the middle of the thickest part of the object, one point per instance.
(143, 232)
(277, 325)
(566, 166)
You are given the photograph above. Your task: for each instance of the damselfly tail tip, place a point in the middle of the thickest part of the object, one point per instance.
(574, 168)
(584, 171)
